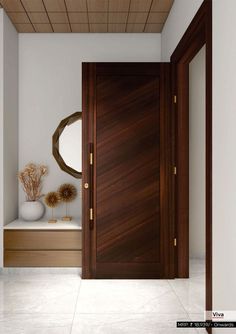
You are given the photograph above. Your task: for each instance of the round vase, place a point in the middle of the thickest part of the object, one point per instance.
(32, 210)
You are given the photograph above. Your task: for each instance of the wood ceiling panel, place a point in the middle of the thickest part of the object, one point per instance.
(38, 17)
(33, 5)
(58, 17)
(98, 17)
(117, 28)
(78, 17)
(137, 17)
(88, 15)
(154, 28)
(18, 17)
(97, 5)
(98, 28)
(60, 27)
(43, 28)
(157, 17)
(76, 5)
(135, 27)
(24, 27)
(119, 5)
(80, 28)
(12, 5)
(55, 5)
(162, 5)
(117, 17)
(140, 5)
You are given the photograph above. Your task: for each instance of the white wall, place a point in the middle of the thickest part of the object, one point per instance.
(224, 138)
(197, 100)
(50, 88)
(8, 123)
(181, 14)
(1, 139)
(224, 156)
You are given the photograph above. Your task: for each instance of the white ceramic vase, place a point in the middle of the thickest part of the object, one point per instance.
(32, 210)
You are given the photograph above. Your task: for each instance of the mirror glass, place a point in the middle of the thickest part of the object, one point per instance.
(67, 144)
(70, 145)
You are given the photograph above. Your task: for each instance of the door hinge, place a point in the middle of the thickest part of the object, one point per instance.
(174, 170)
(175, 99)
(175, 242)
(91, 214)
(91, 158)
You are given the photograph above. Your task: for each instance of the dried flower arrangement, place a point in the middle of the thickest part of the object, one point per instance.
(31, 180)
(52, 199)
(67, 193)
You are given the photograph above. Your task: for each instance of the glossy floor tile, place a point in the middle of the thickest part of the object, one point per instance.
(127, 296)
(128, 324)
(57, 302)
(35, 324)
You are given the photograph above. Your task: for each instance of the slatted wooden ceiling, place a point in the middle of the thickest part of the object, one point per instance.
(95, 16)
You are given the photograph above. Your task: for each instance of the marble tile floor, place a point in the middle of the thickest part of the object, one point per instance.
(59, 302)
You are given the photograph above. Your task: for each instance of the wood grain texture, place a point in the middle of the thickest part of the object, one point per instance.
(135, 27)
(55, 5)
(12, 5)
(162, 5)
(42, 28)
(58, 17)
(41, 18)
(42, 258)
(137, 17)
(198, 33)
(76, 5)
(114, 17)
(18, 17)
(131, 235)
(118, 5)
(140, 5)
(115, 27)
(88, 94)
(33, 5)
(77, 27)
(97, 6)
(157, 17)
(61, 14)
(153, 28)
(128, 164)
(24, 27)
(78, 18)
(42, 240)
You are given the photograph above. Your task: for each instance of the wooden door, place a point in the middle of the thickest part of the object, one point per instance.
(127, 227)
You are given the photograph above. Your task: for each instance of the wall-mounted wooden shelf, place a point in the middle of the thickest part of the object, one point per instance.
(43, 225)
(41, 244)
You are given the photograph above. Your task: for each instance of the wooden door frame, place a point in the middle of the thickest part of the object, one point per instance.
(89, 74)
(199, 33)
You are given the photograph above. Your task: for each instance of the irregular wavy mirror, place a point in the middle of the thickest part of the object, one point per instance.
(67, 144)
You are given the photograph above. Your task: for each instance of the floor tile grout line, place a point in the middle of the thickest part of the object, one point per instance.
(179, 299)
(81, 281)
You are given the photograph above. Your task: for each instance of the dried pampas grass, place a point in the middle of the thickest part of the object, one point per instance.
(31, 180)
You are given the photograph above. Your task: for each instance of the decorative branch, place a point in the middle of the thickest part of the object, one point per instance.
(31, 180)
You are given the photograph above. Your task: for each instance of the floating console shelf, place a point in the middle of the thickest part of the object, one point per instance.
(41, 244)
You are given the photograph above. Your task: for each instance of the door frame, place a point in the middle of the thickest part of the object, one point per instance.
(89, 74)
(198, 34)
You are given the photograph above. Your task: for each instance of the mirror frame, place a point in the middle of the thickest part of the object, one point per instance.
(55, 144)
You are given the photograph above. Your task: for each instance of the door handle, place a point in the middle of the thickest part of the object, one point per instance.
(91, 199)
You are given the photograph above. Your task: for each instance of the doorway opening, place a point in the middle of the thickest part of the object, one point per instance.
(198, 34)
(197, 178)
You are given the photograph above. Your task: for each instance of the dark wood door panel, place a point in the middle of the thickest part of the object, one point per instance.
(127, 164)
(127, 120)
